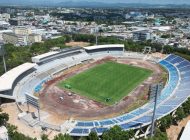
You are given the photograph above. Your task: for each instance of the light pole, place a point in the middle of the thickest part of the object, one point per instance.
(96, 38)
(2, 53)
(154, 112)
(155, 92)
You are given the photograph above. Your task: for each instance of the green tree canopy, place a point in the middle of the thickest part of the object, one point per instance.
(116, 133)
(93, 136)
(159, 135)
(4, 117)
(63, 137)
(44, 137)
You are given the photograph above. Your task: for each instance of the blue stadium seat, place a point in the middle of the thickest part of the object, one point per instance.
(175, 92)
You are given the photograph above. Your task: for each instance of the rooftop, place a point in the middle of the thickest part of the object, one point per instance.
(186, 132)
(105, 46)
(38, 57)
(7, 79)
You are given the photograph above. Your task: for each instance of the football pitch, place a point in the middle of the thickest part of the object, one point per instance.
(107, 83)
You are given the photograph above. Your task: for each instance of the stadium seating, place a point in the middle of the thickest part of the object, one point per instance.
(10, 92)
(175, 92)
(34, 81)
(100, 51)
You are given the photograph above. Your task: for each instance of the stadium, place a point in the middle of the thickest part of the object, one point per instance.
(96, 87)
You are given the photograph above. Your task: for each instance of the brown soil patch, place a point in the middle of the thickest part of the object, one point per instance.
(80, 44)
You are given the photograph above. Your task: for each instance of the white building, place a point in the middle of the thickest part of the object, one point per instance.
(4, 24)
(186, 132)
(22, 30)
(4, 31)
(5, 17)
(21, 36)
(3, 133)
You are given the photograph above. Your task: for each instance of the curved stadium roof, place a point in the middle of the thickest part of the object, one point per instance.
(7, 79)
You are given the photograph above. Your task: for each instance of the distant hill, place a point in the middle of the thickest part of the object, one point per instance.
(84, 4)
(97, 4)
(24, 2)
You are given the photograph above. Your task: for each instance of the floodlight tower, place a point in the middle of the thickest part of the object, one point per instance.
(2, 53)
(96, 38)
(155, 92)
(97, 31)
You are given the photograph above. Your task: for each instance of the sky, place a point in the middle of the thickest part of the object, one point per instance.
(139, 1)
(106, 1)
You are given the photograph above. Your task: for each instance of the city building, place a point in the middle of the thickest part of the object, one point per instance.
(21, 36)
(19, 21)
(5, 17)
(4, 24)
(32, 38)
(4, 31)
(18, 40)
(141, 35)
(22, 30)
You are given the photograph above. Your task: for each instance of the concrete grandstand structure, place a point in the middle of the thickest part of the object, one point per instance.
(173, 95)
(31, 77)
(10, 79)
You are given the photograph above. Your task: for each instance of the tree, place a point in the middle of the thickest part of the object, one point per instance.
(67, 38)
(18, 55)
(159, 135)
(167, 36)
(4, 117)
(116, 133)
(186, 107)
(20, 136)
(168, 49)
(165, 123)
(11, 129)
(84, 37)
(44, 137)
(15, 135)
(179, 114)
(83, 138)
(93, 136)
(63, 137)
(174, 22)
(100, 31)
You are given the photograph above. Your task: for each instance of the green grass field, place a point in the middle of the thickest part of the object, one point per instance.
(111, 81)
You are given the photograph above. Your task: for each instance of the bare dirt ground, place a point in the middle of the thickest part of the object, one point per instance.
(80, 44)
(79, 107)
(174, 131)
(34, 132)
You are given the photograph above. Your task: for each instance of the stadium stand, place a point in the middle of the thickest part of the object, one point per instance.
(134, 55)
(173, 95)
(105, 50)
(11, 78)
(47, 66)
(30, 77)
(51, 56)
(51, 63)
